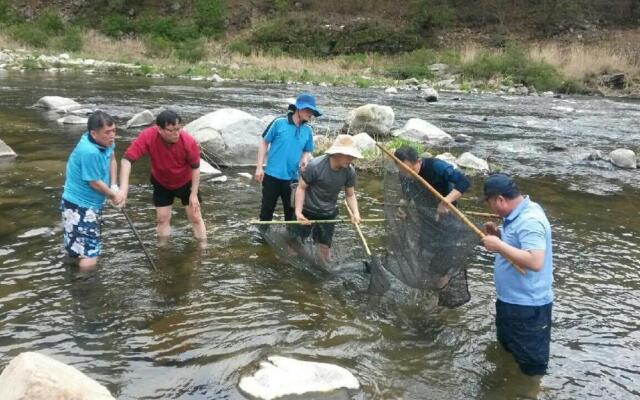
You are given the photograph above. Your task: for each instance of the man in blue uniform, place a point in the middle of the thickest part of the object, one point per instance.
(524, 301)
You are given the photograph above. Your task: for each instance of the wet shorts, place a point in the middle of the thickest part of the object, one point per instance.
(525, 331)
(81, 230)
(321, 233)
(163, 197)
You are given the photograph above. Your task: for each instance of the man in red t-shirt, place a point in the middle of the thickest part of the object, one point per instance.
(175, 171)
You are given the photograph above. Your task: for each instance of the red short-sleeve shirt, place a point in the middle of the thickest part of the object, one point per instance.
(171, 163)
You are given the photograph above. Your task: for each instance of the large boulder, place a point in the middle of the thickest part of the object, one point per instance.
(624, 158)
(143, 118)
(281, 376)
(419, 130)
(468, 160)
(58, 104)
(372, 118)
(230, 136)
(6, 151)
(448, 157)
(33, 376)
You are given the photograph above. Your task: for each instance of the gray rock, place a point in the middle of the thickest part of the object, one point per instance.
(216, 78)
(462, 138)
(429, 94)
(439, 67)
(595, 155)
(33, 376)
(231, 136)
(391, 90)
(468, 160)
(208, 169)
(143, 118)
(57, 103)
(72, 120)
(624, 158)
(448, 157)
(615, 81)
(6, 151)
(375, 119)
(422, 131)
(364, 142)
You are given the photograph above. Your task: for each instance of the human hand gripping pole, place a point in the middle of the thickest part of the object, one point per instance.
(440, 197)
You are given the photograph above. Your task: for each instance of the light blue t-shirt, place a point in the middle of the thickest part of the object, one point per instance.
(88, 162)
(526, 228)
(287, 143)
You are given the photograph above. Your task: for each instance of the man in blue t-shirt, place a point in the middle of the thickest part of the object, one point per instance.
(287, 143)
(524, 301)
(91, 169)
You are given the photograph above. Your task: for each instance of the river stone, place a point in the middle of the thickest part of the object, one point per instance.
(208, 169)
(448, 157)
(468, 160)
(231, 136)
(372, 118)
(623, 158)
(364, 142)
(57, 103)
(33, 376)
(282, 376)
(429, 94)
(419, 130)
(462, 138)
(6, 151)
(391, 90)
(72, 120)
(143, 118)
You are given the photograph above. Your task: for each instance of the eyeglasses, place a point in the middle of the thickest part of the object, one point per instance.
(173, 130)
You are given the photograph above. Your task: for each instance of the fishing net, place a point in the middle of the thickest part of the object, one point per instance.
(424, 251)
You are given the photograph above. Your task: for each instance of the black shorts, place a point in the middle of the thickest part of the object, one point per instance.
(163, 197)
(321, 233)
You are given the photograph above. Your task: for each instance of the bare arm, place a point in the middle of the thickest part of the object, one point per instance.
(113, 170)
(262, 152)
(125, 171)
(195, 184)
(454, 195)
(350, 193)
(528, 259)
(299, 196)
(101, 187)
(304, 160)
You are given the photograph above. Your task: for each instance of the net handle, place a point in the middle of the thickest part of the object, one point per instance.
(364, 241)
(440, 197)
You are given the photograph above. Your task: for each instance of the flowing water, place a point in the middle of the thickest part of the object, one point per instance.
(210, 315)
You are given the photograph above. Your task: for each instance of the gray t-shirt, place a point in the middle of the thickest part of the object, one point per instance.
(324, 185)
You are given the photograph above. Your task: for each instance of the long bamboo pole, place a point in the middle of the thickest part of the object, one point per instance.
(440, 197)
(357, 226)
(315, 221)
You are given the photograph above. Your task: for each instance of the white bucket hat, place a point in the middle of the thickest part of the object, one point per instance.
(344, 144)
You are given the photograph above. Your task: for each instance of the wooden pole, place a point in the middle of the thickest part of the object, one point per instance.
(440, 197)
(357, 226)
(135, 233)
(315, 221)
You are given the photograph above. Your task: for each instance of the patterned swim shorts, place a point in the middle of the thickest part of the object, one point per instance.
(81, 230)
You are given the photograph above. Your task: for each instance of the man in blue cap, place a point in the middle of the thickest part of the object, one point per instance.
(524, 301)
(286, 143)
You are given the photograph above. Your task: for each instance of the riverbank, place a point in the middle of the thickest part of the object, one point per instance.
(556, 66)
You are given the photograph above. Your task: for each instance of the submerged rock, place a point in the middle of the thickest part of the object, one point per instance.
(33, 376)
(624, 158)
(208, 169)
(72, 120)
(372, 118)
(231, 136)
(281, 376)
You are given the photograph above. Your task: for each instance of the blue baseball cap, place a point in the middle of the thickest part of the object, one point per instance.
(500, 185)
(306, 100)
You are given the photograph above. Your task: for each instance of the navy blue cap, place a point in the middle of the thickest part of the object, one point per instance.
(500, 185)
(306, 100)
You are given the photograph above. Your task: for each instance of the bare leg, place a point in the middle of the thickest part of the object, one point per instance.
(163, 219)
(324, 253)
(87, 264)
(197, 223)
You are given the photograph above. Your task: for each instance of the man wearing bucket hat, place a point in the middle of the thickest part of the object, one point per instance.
(524, 301)
(286, 143)
(316, 197)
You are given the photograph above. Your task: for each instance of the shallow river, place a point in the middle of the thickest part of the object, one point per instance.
(210, 315)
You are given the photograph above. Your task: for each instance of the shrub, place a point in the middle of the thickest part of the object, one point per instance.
(240, 47)
(50, 22)
(116, 25)
(428, 15)
(29, 34)
(398, 142)
(72, 40)
(210, 17)
(192, 50)
(156, 46)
